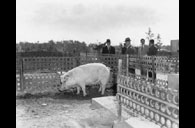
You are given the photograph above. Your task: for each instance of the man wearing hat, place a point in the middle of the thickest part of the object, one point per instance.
(108, 49)
(128, 49)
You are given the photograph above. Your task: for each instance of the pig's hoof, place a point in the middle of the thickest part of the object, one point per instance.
(84, 95)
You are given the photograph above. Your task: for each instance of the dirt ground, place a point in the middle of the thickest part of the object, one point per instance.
(61, 111)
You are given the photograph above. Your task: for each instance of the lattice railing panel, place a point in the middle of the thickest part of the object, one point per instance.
(152, 101)
(159, 63)
(41, 83)
(49, 63)
(18, 88)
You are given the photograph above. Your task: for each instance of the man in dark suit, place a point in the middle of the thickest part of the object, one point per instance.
(152, 52)
(152, 49)
(128, 48)
(108, 49)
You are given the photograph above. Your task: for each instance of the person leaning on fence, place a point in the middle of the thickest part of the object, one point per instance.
(152, 49)
(108, 49)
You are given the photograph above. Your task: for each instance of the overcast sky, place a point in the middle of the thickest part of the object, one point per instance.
(96, 20)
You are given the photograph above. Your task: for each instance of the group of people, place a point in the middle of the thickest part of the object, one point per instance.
(129, 49)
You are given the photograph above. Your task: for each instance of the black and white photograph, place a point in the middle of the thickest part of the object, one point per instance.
(97, 63)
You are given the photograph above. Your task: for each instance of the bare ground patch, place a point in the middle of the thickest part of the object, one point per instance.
(61, 111)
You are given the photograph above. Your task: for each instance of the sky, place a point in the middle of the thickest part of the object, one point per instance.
(95, 21)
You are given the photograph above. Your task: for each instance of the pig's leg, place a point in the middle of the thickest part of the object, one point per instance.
(103, 85)
(83, 89)
(78, 90)
(103, 89)
(100, 88)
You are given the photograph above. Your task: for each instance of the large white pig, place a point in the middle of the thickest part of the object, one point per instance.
(87, 74)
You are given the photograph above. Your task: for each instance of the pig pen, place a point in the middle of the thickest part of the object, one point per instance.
(61, 110)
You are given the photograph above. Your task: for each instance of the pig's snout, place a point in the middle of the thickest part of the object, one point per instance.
(60, 90)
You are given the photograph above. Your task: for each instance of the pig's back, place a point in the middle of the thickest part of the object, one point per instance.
(92, 69)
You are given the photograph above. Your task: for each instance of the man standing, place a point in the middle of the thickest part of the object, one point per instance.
(143, 50)
(128, 49)
(108, 49)
(152, 49)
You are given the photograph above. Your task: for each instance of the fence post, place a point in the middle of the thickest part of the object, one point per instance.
(153, 71)
(118, 96)
(21, 74)
(127, 66)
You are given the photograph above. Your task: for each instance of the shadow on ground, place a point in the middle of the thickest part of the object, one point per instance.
(91, 93)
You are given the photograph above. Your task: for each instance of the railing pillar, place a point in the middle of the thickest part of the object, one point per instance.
(119, 105)
(127, 66)
(21, 74)
(153, 70)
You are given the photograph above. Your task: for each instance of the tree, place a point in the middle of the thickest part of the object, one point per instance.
(149, 34)
(159, 43)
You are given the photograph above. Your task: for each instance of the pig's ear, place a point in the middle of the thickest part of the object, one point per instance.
(69, 74)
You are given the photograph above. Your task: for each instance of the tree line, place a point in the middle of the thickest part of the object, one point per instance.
(70, 47)
(63, 47)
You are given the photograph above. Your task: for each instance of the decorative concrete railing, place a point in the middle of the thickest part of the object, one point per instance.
(41, 83)
(154, 101)
(151, 63)
(37, 83)
(49, 63)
